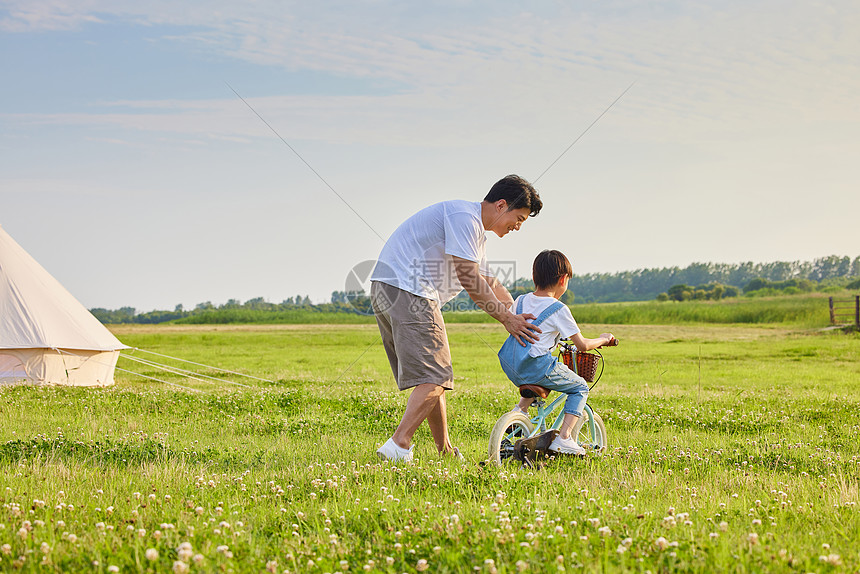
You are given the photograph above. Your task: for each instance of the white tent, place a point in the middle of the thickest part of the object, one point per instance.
(46, 335)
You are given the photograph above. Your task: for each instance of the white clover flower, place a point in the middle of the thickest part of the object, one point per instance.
(604, 531)
(661, 543)
(752, 538)
(113, 569)
(621, 549)
(151, 554)
(180, 567)
(422, 565)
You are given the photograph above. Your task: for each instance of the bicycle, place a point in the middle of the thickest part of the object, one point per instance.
(513, 426)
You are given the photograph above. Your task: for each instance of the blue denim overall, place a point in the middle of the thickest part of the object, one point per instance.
(545, 370)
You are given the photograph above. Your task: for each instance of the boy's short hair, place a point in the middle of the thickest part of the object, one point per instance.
(548, 268)
(517, 192)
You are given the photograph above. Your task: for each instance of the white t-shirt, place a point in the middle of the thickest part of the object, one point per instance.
(560, 324)
(418, 257)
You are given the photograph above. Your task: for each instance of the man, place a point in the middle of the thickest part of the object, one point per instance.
(425, 263)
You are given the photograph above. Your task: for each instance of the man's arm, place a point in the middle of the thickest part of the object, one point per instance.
(500, 291)
(486, 300)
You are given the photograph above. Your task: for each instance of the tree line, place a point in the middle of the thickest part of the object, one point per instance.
(695, 281)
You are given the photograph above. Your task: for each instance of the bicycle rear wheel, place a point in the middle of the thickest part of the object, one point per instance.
(510, 428)
(597, 443)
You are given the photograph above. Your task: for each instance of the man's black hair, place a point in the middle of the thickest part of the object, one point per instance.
(517, 192)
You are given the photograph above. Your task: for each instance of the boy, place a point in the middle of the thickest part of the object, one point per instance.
(533, 364)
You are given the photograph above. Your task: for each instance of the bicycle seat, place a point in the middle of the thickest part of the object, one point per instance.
(533, 391)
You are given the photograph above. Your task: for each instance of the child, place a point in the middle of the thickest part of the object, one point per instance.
(533, 364)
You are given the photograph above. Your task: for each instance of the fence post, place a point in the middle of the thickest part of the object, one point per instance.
(832, 316)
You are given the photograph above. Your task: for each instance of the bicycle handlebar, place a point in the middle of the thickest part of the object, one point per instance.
(614, 343)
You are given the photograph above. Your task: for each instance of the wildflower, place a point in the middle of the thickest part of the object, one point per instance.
(832, 559)
(151, 554)
(422, 565)
(180, 567)
(157, 535)
(604, 531)
(6, 549)
(628, 542)
(113, 569)
(714, 535)
(100, 525)
(389, 561)
(661, 543)
(184, 551)
(197, 559)
(72, 538)
(271, 566)
(621, 549)
(522, 566)
(752, 538)
(724, 525)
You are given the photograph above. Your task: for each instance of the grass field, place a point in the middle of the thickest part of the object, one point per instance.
(732, 449)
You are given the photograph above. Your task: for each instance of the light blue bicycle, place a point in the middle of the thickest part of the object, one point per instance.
(590, 431)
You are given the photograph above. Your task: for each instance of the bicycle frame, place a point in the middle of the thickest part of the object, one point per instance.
(543, 411)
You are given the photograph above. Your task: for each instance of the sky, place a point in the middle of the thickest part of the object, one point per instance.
(155, 153)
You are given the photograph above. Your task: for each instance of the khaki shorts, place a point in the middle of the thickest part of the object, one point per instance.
(413, 333)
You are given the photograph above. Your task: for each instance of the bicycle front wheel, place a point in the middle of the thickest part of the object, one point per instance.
(510, 428)
(595, 443)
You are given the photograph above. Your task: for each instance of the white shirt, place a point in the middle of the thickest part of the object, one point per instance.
(560, 324)
(418, 257)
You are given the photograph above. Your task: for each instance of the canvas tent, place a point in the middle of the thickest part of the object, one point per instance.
(46, 335)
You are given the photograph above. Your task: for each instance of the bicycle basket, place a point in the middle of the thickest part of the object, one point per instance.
(581, 363)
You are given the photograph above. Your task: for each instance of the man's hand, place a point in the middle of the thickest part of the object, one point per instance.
(520, 328)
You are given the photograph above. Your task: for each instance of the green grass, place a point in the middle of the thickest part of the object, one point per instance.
(807, 310)
(752, 426)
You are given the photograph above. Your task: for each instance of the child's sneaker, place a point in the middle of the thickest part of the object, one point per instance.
(517, 409)
(390, 451)
(566, 446)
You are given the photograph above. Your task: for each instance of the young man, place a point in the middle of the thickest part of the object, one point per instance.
(425, 263)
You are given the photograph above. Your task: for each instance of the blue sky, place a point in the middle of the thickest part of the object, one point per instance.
(133, 173)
